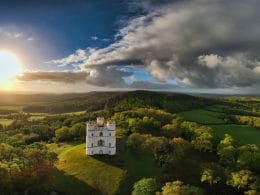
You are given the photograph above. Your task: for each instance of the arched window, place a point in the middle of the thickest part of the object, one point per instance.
(100, 134)
(101, 142)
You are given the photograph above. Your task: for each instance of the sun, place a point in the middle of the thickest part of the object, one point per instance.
(9, 67)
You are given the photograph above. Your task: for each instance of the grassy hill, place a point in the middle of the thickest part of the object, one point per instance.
(80, 174)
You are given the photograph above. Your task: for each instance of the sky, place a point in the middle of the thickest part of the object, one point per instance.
(199, 46)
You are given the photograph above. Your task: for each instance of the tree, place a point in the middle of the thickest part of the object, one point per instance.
(171, 130)
(247, 156)
(178, 188)
(78, 130)
(212, 173)
(227, 151)
(179, 146)
(240, 179)
(63, 134)
(203, 139)
(135, 141)
(145, 186)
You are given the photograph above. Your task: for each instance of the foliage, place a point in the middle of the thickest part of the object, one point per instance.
(63, 134)
(24, 169)
(241, 179)
(145, 186)
(179, 188)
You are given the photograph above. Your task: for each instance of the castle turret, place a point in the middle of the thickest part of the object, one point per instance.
(100, 121)
(101, 137)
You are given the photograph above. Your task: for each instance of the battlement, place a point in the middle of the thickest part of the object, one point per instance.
(101, 123)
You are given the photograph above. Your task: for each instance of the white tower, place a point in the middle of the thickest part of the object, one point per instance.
(101, 137)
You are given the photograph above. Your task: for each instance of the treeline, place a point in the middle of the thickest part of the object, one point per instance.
(170, 102)
(121, 101)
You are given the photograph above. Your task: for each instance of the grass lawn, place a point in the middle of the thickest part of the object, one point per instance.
(217, 108)
(202, 116)
(6, 122)
(80, 174)
(137, 166)
(243, 133)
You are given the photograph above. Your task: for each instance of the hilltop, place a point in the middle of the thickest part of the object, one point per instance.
(93, 101)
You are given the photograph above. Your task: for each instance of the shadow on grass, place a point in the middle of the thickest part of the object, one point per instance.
(117, 160)
(65, 184)
(136, 166)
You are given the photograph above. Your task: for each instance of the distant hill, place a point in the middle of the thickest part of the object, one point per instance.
(111, 101)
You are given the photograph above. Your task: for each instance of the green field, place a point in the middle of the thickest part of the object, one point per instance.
(245, 134)
(202, 116)
(80, 174)
(6, 122)
(11, 109)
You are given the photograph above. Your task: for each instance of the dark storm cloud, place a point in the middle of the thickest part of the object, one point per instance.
(100, 76)
(202, 44)
(67, 77)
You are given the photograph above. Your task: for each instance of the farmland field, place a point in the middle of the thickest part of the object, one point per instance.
(243, 133)
(202, 116)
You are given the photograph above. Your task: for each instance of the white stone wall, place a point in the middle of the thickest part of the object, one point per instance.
(106, 133)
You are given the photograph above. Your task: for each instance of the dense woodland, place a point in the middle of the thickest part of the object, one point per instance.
(191, 156)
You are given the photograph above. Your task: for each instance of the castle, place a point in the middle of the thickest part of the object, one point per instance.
(101, 137)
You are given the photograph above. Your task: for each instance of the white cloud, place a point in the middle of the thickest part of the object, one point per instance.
(30, 39)
(17, 35)
(204, 44)
(79, 56)
(94, 38)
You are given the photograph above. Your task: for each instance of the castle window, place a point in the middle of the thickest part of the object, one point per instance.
(92, 144)
(109, 151)
(101, 142)
(92, 134)
(109, 134)
(109, 144)
(100, 134)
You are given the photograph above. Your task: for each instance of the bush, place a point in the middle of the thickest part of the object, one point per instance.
(145, 186)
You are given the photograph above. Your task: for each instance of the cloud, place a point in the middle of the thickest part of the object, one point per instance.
(202, 44)
(78, 57)
(30, 39)
(94, 38)
(101, 76)
(17, 35)
(66, 77)
(12, 32)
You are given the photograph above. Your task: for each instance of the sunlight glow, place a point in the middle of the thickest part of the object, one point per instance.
(9, 67)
